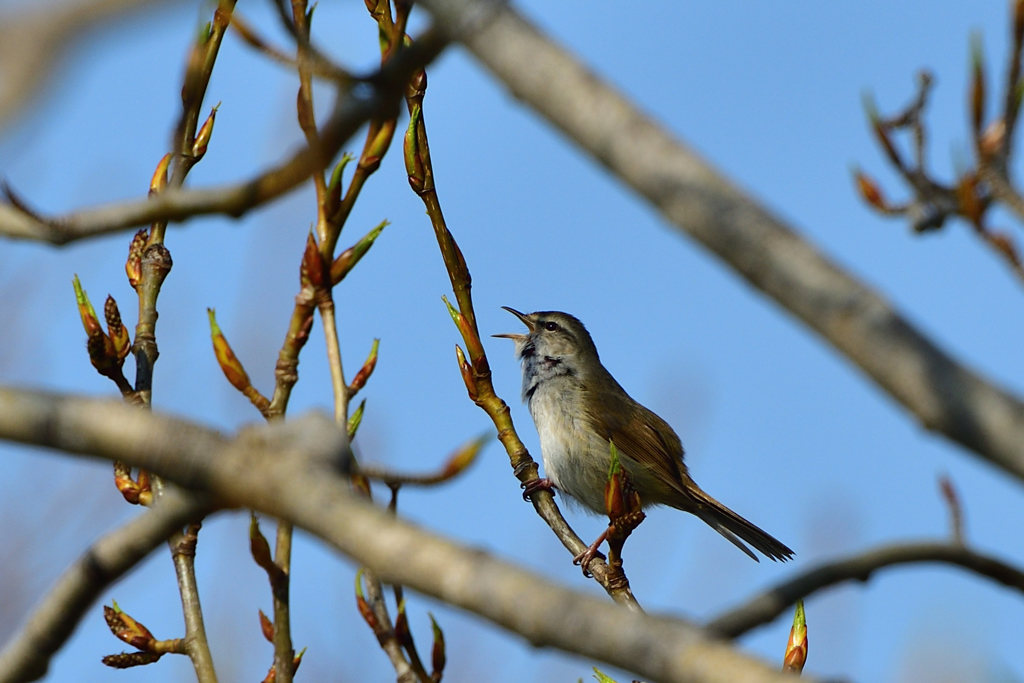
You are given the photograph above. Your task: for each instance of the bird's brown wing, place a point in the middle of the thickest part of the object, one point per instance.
(643, 437)
(649, 441)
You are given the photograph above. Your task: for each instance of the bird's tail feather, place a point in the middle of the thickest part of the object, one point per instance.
(736, 529)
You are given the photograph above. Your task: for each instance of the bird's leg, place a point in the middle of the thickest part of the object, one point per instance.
(584, 558)
(531, 487)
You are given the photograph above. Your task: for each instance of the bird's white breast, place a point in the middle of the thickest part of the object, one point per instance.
(575, 459)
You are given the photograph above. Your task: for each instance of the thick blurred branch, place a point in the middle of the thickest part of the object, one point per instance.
(764, 608)
(297, 471)
(33, 42)
(941, 393)
(376, 96)
(27, 656)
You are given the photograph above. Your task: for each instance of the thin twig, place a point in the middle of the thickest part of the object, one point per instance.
(284, 651)
(477, 373)
(316, 66)
(765, 607)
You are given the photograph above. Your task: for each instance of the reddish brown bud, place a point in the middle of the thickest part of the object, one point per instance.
(313, 266)
(126, 660)
(127, 486)
(467, 373)
(870, 192)
(437, 653)
(359, 381)
(89, 320)
(126, 628)
(796, 649)
(159, 180)
(115, 329)
(267, 626)
(977, 87)
(967, 196)
(402, 626)
(620, 498)
(202, 140)
(226, 358)
(133, 266)
(304, 108)
(364, 607)
(259, 547)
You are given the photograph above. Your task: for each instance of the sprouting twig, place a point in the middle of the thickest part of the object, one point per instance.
(476, 371)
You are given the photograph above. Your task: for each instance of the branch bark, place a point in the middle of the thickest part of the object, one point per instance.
(296, 471)
(944, 395)
(764, 608)
(377, 96)
(26, 657)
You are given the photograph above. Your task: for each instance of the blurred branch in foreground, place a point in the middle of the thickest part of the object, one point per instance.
(33, 42)
(376, 97)
(299, 471)
(944, 395)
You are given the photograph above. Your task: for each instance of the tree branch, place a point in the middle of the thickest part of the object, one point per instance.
(376, 96)
(296, 471)
(694, 198)
(26, 656)
(763, 608)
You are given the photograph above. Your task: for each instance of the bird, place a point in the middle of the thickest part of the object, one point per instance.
(580, 410)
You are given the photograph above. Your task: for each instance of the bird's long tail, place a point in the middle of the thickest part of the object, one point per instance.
(733, 527)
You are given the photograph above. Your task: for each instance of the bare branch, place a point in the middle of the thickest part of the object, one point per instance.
(375, 96)
(945, 396)
(765, 607)
(27, 656)
(296, 471)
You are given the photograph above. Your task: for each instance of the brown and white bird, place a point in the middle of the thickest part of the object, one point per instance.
(579, 408)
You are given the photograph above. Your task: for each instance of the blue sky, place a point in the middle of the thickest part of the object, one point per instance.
(776, 424)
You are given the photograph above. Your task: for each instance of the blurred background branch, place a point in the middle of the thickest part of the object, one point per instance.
(941, 393)
(767, 606)
(296, 471)
(351, 110)
(26, 657)
(35, 38)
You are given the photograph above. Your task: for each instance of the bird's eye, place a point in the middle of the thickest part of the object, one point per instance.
(550, 326)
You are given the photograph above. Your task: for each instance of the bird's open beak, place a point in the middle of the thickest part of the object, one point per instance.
(524, 319)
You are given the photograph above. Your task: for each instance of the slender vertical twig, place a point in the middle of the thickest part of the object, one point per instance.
(476, 372)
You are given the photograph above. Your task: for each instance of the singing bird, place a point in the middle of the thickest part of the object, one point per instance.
(579, 408)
